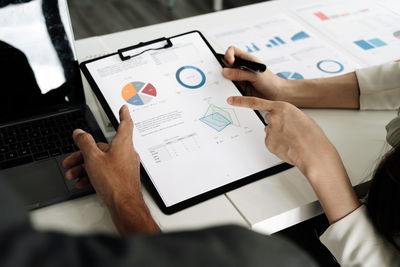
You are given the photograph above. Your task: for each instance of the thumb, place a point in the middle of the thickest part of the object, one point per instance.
(85, 142)
(125, 128)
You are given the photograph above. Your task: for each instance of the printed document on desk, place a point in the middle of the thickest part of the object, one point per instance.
(365, 28)
(189, 139)
(287, 48)
(393, 5)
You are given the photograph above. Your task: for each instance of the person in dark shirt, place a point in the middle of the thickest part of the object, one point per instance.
(113, 170)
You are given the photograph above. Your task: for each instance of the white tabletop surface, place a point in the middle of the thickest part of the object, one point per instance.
(267, 205)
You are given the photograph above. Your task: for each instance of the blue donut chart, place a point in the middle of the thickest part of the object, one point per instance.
(341, 68)
(200, 84)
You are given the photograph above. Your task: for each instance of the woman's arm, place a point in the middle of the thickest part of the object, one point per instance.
(335, 92)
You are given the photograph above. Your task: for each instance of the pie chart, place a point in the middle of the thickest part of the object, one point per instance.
(138, 93)
(290, 75)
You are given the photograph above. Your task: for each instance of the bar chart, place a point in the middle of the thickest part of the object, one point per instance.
(370, 44)
(276, 41)
(355, 25)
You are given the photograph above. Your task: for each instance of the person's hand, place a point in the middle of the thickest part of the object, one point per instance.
(114, 172)
(295, 138)
(290, 134)
(112, 169)
(264, 85)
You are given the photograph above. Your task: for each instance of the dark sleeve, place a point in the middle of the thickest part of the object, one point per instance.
(21, 245)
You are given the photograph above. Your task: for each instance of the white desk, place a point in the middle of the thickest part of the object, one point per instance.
(268, 205)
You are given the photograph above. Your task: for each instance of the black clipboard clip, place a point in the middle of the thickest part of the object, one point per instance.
(158, 44)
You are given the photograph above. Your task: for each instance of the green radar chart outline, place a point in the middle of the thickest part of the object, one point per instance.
(219, 118)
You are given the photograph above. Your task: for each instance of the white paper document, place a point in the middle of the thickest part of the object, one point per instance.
(393, 5)
(365, 28)
(287, 48)
(189, 139)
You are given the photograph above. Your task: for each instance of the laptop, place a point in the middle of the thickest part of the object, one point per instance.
(41, 101)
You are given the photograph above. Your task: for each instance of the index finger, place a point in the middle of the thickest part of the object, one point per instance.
(233, 52)
(251, 102)
(72, 160)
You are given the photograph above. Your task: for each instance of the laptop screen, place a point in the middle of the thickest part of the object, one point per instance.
(38, 68)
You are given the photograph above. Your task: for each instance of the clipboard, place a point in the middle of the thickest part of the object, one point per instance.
(217, 122)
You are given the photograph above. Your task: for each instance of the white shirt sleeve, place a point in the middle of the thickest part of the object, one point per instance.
(379, 86)
(354, 242)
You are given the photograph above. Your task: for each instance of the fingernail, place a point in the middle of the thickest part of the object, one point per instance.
(77, 131)
(230, 100)
(227, 71)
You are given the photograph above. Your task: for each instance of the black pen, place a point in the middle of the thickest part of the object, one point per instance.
(246, 64)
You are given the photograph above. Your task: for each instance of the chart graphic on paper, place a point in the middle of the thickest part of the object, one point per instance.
(287, 48)
(138, 93)
(219, 118)
(322, 16)
(370, 44)
(299, 36)
(190, 77)
(251, 48)
(330, 66)
(354, 25)
(277, 41)
(290, 75)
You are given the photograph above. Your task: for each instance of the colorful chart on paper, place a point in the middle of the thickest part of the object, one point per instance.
(138, 93)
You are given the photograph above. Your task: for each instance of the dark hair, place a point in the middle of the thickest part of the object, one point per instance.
(383, 201)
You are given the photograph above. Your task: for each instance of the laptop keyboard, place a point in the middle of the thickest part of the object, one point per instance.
(40, 139)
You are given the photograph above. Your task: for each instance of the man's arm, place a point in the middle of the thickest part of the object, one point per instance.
(21, 245)
(132, 216)
(114, 171)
